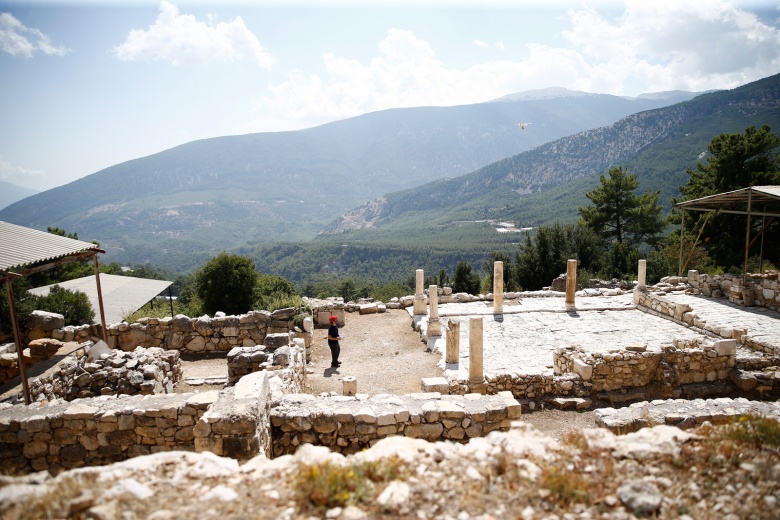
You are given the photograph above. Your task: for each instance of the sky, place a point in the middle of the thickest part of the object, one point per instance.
(87, 84)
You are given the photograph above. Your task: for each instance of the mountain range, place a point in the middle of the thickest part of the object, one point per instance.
(657, 145)
(10, 193)
(183, 205)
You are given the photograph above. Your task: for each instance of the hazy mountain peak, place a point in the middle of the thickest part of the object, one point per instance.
(543, 93)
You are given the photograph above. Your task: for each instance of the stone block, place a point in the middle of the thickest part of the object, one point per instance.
(42, 320)
(275, 340)
(436, 384)
(726, 347)
(582, 369)
(424, 431)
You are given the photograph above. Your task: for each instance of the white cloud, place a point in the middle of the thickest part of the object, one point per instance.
(666, 45)
(180, 38)
(480, 43)
(653, 46)
(16, 174)
(18, 40)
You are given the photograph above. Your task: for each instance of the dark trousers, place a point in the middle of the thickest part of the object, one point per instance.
(335, 350)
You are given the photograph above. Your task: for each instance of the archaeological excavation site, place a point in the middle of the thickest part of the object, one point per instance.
(122, 420)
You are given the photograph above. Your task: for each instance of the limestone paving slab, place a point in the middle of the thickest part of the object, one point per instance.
(761, 324)
(524, 338)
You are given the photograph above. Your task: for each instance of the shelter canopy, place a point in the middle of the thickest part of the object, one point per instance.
(763, 200)
(121, 294)
(21, 247)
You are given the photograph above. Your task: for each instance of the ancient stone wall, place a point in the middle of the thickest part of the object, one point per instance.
(285, 360)
(188, 335)
(682, 363)
(97, 431)
(113, 372)
(349, 424)
(88, 432)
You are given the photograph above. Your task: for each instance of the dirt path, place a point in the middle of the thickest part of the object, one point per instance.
(382, 351)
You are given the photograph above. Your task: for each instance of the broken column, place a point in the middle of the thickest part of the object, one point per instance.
(419, 296)
(498, 287)
(349, 384)
(571, 283)
(641, 280)
(434, 326)
(453, 342)
(476, 373)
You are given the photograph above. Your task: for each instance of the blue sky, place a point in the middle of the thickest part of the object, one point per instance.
(89, 84)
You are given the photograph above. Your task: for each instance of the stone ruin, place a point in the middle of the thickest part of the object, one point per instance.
(260, 412)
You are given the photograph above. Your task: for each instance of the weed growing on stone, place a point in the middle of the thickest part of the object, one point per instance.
(758, 431)
(328, 485)
(565, 485)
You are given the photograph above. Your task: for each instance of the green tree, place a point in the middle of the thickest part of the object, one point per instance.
(543, 258)
(618, 214)
(271, 288)
(465, 280)
(487, 266)
(73, 305)
(735, 161)
(227, 283)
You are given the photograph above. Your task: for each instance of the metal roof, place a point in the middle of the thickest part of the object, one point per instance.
(764, 201)
(121, 294)
(21, 246)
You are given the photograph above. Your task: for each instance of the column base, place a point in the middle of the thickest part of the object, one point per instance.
(478, 387)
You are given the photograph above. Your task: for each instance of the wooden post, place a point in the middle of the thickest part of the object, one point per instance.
(18, 339)
(747, 241)
(100, 300)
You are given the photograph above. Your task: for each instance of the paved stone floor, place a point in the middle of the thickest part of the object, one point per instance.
(532, 328)
(762, 324)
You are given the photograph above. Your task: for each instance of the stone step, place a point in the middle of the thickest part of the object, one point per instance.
(571, 403)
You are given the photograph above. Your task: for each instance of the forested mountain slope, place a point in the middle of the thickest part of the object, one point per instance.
(549, 182)
(181, 206)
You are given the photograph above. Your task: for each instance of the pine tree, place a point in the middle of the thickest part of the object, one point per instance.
(619, 215)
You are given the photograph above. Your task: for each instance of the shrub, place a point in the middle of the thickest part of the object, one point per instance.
(227, 283)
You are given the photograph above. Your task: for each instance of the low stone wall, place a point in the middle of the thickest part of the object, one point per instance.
(762, 290)
(682, 363)
(88, 432)
(682, 413)
(187, 335)
(90, 372)
(277, 357)
(349, 424)
(96, 431)
(535, 387)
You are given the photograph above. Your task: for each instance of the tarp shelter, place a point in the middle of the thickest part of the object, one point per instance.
(756, 201)
(121, 294)
(25, 251)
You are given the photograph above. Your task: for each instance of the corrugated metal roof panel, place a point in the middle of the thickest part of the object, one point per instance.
(121, 294)
(764, 200)
(21, 246)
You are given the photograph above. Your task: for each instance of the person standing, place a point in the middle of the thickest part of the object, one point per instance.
(333, 342)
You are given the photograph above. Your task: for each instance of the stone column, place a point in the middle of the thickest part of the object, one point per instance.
(476, 374)
(349, 384)
(498, 287)
(453, 342)
(641, 281)
(571, 283)
(419, 296)
(434, 326)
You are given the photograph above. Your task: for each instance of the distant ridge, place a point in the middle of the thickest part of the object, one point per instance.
(181, 206)
(10, 193)
(657, 144)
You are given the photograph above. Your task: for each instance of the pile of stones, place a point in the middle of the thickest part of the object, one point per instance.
(97, 370)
